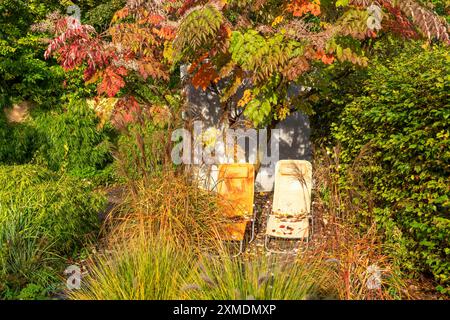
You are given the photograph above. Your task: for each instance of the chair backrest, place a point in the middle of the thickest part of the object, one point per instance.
(293, 185)
(236, 188)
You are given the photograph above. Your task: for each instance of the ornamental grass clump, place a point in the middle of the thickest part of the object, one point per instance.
(167, 204)
(144, 268)
(257, 278)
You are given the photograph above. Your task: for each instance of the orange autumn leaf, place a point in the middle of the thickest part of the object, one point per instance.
(371, 33)
(204, 76)
(228, 31)
(302, 7)
(328, 58)
(112, 81)
(319, 54)
(166, 33)
(195, 64)
(155, 19)
(121, 14)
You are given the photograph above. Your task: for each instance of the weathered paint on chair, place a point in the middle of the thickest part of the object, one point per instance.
(236, 193)
(291, 208)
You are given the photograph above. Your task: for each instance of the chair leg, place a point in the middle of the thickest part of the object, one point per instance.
(241, 249)
(266, 243)
(253, 221)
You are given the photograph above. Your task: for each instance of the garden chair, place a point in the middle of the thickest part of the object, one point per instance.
(236, 192)
(290, 216)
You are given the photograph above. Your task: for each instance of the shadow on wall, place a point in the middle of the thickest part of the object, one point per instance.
(295, 132)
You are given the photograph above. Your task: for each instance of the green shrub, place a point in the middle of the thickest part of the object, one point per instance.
(64, 140)
(5, 147)
(71, 141)
(24, 75)
(402, 118)
(33, 292)
(100, 16)
(43, 217)
(18, 142)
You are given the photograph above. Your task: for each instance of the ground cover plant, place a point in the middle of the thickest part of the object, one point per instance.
(45, 219)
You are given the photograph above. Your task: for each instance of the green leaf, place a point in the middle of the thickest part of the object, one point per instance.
(342, 3)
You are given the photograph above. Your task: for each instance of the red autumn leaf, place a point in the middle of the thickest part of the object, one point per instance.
(301, 7)
(155, 19)
(112, 81)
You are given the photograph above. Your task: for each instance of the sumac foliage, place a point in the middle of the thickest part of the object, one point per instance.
(264, 45)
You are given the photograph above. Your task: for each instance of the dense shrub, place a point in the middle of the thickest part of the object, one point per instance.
(72, 141)
(401, 121)
(43, 217)
(99, 13)
(18, 142)
(23, 72)
(68, 140)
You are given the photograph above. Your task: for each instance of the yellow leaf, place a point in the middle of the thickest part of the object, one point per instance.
(94, 78)
(277, 21)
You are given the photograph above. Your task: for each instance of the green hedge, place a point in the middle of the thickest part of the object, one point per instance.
(403, 118)
(44, 217)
